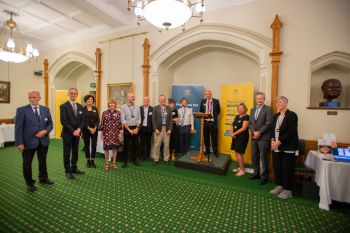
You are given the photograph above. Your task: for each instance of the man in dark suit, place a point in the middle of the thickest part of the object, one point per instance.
(72, 120)
(146, 128)
(211, 106)
(260, 122)
(32, 128)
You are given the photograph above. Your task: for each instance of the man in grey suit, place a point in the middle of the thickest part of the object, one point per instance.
(260, 122)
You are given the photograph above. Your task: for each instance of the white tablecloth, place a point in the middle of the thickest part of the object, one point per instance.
(7, 134)
(333, 178)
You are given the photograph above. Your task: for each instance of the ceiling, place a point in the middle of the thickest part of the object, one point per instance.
(51, 23)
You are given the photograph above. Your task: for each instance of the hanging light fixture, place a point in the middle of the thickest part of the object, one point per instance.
(167, 13)
(12, 46)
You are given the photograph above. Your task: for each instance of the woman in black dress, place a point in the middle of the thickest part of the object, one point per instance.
(174, 136)
(240, 136)
(90, 130)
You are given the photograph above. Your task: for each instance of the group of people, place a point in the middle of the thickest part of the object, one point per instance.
(278, 133)
(170, 128)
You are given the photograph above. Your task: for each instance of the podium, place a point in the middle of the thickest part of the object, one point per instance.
(200, 157)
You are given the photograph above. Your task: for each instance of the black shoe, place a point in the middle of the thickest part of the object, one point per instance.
(46, 181)
(88, 163)
(124, 165)
(263, 182)
(216, 154)
(92, 164)
(155, 163)
(136, 163)
(166, 162)
(70, 176)
(254, 177)
(31, 188)
(79, 172)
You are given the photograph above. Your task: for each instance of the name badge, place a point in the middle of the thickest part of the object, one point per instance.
(93, 110)
(46, 119)
(205, 104)
(173, 113)
(239, 121)
(150, 113)
(235, 127)
(80, 112)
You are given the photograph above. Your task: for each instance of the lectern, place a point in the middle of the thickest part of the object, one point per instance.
(200, 157)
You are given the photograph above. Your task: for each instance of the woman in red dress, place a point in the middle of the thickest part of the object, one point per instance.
(111, 127)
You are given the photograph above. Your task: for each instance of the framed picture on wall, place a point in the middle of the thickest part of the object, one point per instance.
(4, 92)
(119, 92)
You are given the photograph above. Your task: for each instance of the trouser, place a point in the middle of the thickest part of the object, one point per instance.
(184, 138)
(260, 151)
(165, 138)
(210, 132)
(28, 155)
(132, 141)
(284, 165)
(70, 145)
(174, 140)
(145, 141)
(87, 136)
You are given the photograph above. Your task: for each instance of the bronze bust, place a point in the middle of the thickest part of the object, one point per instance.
(331, 89)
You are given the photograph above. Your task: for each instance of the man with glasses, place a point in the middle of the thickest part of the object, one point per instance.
(72, 120)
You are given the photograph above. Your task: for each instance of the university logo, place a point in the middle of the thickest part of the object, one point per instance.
(187, 92)
(235, 91)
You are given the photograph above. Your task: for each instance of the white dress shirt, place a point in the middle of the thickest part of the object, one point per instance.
(185, 117)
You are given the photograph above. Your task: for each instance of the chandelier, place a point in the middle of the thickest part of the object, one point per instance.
(12, 46)
(167, 13)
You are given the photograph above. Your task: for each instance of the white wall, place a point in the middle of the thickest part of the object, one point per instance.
(310, 29)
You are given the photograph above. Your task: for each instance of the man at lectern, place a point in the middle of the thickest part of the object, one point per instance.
(211, 106)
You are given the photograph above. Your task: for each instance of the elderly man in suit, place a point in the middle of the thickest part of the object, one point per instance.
(32, 128)
(162, 126)
(72, 120)
(260, 122)
(211, 106)
(146, 128)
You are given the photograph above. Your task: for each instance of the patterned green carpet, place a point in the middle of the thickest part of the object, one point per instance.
(150, 199)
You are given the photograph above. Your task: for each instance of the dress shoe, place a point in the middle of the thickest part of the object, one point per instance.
(285, 194)
(70, 176)
(263, 182)
(136, 163)
(155, 163)
(254, 177)
(79, 172)
(88, 163)
(31, 188)
(92, 164)
(277, 190)
(46, 181)
(216, 154)
(166, 162)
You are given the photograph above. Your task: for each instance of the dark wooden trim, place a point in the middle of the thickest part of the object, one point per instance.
(6, 121)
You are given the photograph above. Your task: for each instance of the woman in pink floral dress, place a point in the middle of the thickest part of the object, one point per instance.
(111, 127)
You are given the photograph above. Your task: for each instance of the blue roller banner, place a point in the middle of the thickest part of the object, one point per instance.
(194, 95)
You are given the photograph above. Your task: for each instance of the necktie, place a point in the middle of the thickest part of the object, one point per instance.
(183, 117)
(208, 110)
(257, 111)
(75, 109)
(36, 113)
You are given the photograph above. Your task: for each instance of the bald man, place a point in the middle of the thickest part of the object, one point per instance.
(211, 106)
(33, 125)
(131, 120)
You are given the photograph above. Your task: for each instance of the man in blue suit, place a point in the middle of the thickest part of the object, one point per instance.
(33, 124)
(72, 120)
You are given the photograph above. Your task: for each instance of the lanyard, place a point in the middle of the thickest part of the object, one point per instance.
(132, 111)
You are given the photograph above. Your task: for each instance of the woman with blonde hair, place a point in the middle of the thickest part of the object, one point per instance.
(240, 137)
(111, 127)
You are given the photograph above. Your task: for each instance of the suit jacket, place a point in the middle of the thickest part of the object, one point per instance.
(216, 108)
(288, 132)
(95, 119)
(27, 125)
(263, 124)
(149, 118)
(157, 118)
(68, 119)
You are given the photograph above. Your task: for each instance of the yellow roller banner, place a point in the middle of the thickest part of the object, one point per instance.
(231, 97)
(61, 96)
